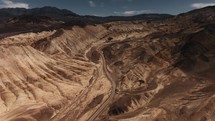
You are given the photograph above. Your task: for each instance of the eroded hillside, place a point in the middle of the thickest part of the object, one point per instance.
(126, 71)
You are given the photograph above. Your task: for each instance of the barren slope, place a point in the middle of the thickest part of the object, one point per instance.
(127, 71)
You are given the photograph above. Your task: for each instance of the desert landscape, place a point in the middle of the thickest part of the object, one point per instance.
(149, 68)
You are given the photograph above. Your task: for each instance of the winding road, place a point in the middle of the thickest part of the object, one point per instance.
(112, 80)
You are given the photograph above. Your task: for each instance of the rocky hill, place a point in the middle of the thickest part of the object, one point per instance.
(48, 11)
(21, 20)
(136, 70)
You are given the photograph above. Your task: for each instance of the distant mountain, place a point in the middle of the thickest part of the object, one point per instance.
(138, 17)
(204, 15)
(66, 15)
(52, 12)
(13, 20)
(153, 16)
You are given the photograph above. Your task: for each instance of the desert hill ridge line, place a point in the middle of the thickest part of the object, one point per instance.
(21, 20)
(107, 69)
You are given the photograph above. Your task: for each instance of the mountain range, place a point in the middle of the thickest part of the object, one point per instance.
(17, 20)
(69, 67)
(63, 14)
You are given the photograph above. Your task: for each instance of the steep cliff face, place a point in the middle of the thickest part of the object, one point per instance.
(133, 70)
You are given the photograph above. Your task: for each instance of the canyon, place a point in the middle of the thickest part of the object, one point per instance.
(124, 70)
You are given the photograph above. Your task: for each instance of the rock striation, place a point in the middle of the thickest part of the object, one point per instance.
(116, 71)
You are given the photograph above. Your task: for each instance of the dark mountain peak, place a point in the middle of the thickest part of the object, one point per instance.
(48, 11)
(203, 15)
(52, 9)
(209, 9)
(49, 7)
(53, 12)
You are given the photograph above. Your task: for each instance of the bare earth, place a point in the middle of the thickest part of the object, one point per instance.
(118, 71)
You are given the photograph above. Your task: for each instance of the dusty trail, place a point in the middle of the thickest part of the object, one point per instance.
(112, 80)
